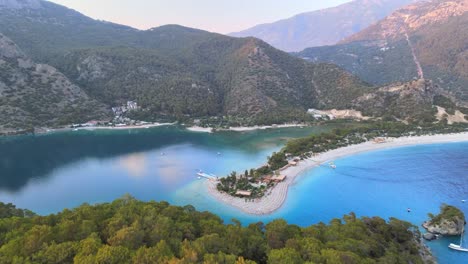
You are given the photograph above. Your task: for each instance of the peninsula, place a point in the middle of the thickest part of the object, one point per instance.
(276, 196)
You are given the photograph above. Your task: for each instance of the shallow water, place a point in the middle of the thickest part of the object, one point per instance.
(381, 183)
(50, 172)
(47, 173)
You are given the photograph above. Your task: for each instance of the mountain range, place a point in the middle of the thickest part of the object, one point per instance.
(323, 27)
(423, 40)
(61, 67)
(173, 70)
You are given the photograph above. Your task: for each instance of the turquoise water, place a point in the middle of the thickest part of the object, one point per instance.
(50, 172)
(47, 173)
(382, 183)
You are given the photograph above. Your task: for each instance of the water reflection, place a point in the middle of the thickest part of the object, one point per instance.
(23, 158)
(134, 164)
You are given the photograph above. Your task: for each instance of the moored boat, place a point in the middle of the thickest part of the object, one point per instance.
(459, 247)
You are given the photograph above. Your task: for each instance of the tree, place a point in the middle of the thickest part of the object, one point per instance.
(36, 239)
(129, 237)
(113, 255)
(284, 255)
(161, 253)
(58, 253)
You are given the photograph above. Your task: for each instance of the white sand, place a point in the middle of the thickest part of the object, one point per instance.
(240, 129)
(272, 202)
(200, 129)
(252, 128)
(51, 130)
(124, 127)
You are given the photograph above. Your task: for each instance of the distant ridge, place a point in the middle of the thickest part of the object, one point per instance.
(19, 4)
(323, 27)
(428, 39)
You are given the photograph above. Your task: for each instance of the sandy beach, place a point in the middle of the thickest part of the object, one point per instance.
(240, 129)
(104, 128)
(274, 200)
(125, 127)
(200, 129)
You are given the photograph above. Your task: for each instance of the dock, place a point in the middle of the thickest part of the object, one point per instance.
(208, 176)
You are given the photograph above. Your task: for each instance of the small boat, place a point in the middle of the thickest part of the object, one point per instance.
(459, 247)
(219, 153)
(332, 165)
(463, 201)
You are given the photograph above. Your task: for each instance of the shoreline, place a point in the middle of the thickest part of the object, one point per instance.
(123, 127)
(241, 129)
(69, 129)
(275, 199)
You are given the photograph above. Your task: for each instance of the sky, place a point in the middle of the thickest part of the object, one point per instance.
(222, 16)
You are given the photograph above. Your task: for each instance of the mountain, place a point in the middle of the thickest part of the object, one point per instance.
(177, 71)
(172, 72)
(424, 40)
(411, 102)
(323, 27)
(35, 95)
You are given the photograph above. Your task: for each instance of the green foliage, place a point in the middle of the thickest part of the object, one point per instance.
(367, 131)
(176, 73)
(447, 213)
(232, 183)
(130, 231)
(277, 160)
(10, 210)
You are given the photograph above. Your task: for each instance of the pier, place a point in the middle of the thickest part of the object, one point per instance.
(207, 176)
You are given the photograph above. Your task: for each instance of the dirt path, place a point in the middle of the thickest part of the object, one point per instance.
(415, 58)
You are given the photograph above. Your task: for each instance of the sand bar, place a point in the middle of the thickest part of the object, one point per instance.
(274, 200)
(125, 127)
(240, 129)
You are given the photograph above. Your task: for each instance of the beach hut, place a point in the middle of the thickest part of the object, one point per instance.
(243, 193)
(278, 178)
(379, 140)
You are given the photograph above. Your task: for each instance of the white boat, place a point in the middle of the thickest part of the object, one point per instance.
(459, 247)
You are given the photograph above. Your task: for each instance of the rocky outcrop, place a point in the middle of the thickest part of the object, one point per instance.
(446, 227)
(450, 222)
(429, 236)
(38, 95)
(408, 101)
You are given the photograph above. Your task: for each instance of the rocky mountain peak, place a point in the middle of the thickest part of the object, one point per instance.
(20, 4)
(411, 18)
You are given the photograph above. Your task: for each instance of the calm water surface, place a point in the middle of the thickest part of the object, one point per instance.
(50, 172)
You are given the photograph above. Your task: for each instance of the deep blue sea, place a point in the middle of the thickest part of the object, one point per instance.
(48, 173)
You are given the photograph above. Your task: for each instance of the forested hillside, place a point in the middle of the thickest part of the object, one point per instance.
(176, 71)
(130, 231)
(179, 73)
(37, 95)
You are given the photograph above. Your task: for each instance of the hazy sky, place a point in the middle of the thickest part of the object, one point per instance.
(221, 16)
